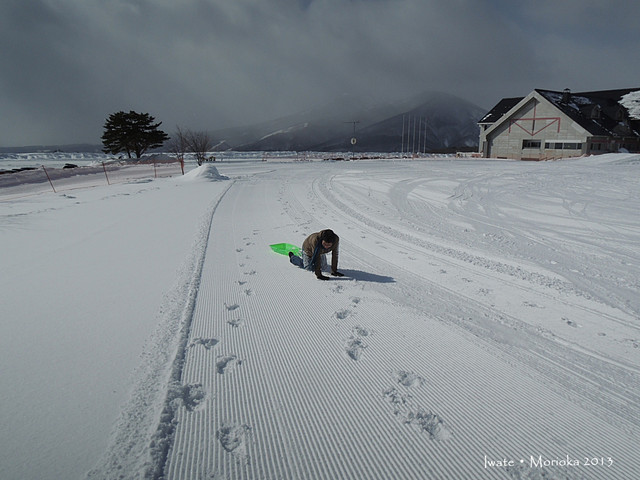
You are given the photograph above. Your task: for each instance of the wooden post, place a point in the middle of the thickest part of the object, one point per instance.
(105, 173)
(49, 178)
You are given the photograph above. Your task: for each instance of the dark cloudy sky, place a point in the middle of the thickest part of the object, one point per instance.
(65, 65)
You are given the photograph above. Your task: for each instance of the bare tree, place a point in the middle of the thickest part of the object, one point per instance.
(179, 144)
(199, 143)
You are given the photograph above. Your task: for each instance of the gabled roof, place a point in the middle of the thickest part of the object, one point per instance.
(583, 109)
(500, 109)
(601, 113)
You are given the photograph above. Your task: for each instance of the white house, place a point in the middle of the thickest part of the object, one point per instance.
(547, 124)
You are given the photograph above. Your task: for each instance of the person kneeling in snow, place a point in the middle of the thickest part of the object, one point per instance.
(314, 250)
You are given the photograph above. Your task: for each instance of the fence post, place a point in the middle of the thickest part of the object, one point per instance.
(49, 178)
(105, 173)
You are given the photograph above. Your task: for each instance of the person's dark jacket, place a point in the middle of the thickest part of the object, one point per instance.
(314, 241)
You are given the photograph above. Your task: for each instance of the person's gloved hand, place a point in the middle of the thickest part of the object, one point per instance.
(337, 274)
(322, 277)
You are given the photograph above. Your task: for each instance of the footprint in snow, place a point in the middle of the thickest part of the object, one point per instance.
(409, 379)
(531, 305)
(227, 363)
(525, 472)
(422, 420)
(342, 314)
(236, 322)
(354, 348)
(359, 331)
(355, 300)
(571, 323)
(233, 438)
(190, 395)
(430, 423)
(248, 292)
(231, 308)
(207, 343)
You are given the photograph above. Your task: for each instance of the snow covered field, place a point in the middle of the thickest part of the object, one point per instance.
(488, 325)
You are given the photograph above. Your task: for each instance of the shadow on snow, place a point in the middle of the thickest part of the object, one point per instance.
(366, 276)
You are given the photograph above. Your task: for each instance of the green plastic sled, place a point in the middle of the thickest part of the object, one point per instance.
(285, 248)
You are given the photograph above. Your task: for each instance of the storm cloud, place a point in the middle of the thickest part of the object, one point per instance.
(65, 65)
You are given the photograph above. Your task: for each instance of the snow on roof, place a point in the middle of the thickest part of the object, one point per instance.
(631, 101)
(575, 101)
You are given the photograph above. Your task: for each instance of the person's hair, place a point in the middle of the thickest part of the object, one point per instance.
(328, 236)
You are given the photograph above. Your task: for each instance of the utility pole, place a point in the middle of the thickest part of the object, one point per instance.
(425, 135)
(353, 139)
(402, 139)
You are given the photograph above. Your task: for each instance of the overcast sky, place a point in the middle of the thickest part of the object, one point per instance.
(65, 65)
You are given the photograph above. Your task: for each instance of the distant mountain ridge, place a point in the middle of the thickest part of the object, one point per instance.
(433, 121)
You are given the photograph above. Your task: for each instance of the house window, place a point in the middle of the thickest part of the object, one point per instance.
(531, 144)
(563, 145)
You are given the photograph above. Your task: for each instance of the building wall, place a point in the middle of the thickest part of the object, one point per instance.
(536, 131)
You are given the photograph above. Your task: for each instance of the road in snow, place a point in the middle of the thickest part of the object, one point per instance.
(488, 325)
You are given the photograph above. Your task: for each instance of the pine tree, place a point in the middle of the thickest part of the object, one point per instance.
(133, 133)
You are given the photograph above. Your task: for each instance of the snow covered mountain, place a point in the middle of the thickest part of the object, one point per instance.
(432, 122)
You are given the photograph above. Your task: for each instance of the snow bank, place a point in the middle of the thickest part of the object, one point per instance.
(606, 159)
(205, 172)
